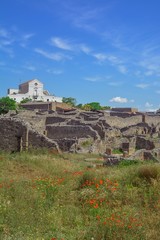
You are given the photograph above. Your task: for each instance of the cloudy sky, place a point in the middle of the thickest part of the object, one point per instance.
(97, 50)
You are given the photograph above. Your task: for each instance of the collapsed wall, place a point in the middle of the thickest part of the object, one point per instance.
(17, 135)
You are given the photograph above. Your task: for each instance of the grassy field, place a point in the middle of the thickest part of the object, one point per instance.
(50, 196)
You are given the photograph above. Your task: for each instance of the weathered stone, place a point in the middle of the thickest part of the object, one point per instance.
(142, 143)
(69, 128)
(17, 135)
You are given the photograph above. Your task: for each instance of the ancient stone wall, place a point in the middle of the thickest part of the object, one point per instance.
(67, 127)
(16, 135)
(135, 130)
(35, 119)
(77, 131)
(152, 120)
(142, 143)
(55, 119)
(12, 134)
(121, 123)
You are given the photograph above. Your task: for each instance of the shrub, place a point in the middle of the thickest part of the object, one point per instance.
(126, 163)
(148, 172)
(117, 151)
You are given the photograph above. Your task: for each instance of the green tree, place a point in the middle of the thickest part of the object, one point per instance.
(80, 105)
(7, 104)
(95, 106)
(106, 107)
(86, 107)
(69, 100)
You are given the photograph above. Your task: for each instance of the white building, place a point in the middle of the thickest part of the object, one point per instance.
(33, 90)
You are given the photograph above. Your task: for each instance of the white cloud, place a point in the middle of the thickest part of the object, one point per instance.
(6, 42)
(52, 56)
(25, 39)
(85, 49)
(149, 73)
(151, 64)
(114, 60)
(62, 44)
(122, 69)
(142, 85)
(54, 71)
(148, 105)
(100, 56)
(119, 100)
(30, 67)
(93, 79)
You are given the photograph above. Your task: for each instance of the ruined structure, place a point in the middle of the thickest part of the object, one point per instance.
(17, 135)
(82, 131)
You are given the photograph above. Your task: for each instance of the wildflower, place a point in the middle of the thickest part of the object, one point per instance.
(113, 189)
(116, 184)
(97, 185)
(96, 206)
(118, 220)
(98, 217)
(92, 201)
(102, 200)
(77, 173)
(100, 182)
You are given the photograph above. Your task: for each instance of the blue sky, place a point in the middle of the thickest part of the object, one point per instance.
(97, 50)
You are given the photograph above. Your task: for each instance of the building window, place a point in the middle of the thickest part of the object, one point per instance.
(36, 84)
(47, 100)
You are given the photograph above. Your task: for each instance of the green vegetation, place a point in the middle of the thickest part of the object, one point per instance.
(7, 104)
(49, 196)
(117, 151)
(87, 143)
(69, 100)
(93, 106)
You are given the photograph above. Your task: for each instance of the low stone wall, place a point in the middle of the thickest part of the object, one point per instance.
(76, 131)
(53, 120)
(66, 144)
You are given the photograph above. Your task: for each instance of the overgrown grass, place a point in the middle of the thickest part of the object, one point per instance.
(48, 196)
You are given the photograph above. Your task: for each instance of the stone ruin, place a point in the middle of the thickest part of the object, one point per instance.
(80, 131)
(17, 135)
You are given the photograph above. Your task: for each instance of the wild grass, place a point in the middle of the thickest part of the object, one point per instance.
(49, 196)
